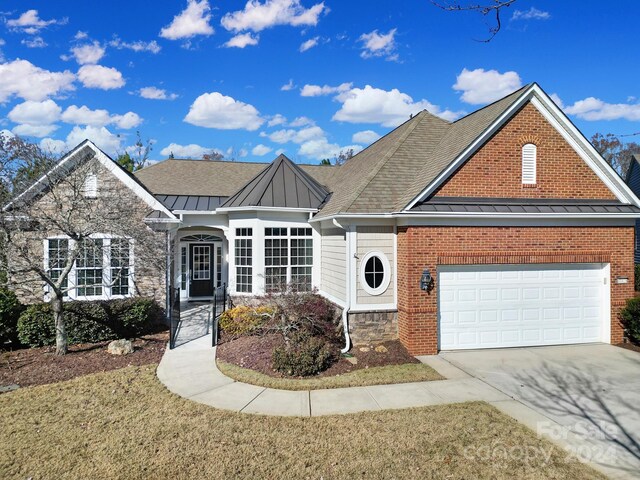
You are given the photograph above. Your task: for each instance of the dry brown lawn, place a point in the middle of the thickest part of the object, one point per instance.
(409, 372)
(125, 424)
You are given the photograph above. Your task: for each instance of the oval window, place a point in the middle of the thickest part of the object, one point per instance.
(375, 273)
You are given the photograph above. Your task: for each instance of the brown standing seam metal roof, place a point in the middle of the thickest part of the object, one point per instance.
(281, 184)
(521, 205)
(191, 202)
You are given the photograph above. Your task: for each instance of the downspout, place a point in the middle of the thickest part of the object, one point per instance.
(347, 307)
(168, 274)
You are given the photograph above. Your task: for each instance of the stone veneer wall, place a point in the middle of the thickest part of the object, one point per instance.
(373, 327)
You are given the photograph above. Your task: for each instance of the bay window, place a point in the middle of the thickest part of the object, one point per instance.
(288, 258)
(244, 260)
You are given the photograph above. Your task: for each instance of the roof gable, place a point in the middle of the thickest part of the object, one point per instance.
(83, 152)
(282, 184)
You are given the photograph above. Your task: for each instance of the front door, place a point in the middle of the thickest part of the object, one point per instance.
(201, 278)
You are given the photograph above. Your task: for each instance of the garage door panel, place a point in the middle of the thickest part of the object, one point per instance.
(520, 305)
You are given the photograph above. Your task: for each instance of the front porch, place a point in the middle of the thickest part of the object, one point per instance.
(195, 320)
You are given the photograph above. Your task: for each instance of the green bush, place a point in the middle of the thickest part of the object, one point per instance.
(10, 309)
(305, 355)
(88, 321)
(244, 320)
(36, 327)
(636, 272)
(630, 317)
(133, 317)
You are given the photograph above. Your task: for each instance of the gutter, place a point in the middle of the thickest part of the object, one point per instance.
(347, 306)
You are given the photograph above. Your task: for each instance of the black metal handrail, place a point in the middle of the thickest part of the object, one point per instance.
(220, 298)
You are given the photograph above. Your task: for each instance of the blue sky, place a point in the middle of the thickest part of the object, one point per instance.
(307, 78)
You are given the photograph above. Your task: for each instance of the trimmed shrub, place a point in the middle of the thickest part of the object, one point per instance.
(133, 317)
(89, 322)
(630, 318)
(10, 309)
(636, 272)
(244, 320)
(305, 355)
(36, 327)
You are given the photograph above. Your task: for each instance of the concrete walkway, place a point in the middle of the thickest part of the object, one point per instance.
(191, 372)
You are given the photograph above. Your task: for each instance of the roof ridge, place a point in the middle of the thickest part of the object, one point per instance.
(388, 154)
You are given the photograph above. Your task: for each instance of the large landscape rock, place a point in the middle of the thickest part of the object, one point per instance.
(120, 347)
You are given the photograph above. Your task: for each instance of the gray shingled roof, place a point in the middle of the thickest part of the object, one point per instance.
(281, 184)
(212, 178)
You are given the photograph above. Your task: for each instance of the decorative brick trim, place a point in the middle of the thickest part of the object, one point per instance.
(529, 185)
(417, 310)
(482, 258)
(530, 139)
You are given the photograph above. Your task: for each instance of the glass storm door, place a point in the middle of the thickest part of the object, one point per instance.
(201, 279)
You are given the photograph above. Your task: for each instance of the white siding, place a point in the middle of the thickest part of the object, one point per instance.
(333, 263)
(380, 239)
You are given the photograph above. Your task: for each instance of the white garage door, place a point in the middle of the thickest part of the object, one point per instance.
(491, 306)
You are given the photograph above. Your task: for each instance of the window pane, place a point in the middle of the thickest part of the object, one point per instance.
(374, 272)
(243, 257)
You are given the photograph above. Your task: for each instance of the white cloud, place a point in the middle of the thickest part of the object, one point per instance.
(35, 113)
(594, 109)
(97, 76)
(288, 86)
(532, 14)
(388, 108)
(376, 44)
(27, 130)
(214, 110)
(187, 151)
(99, 118)
(90, 53)
(312, 42)
(261, 150)
(80, 35)
(126, 121)
(481, 86)
(321, 148)
(154, 93)
(53, 146)
(258, 16)
(192, 21)
(137, 46)
(317, 90)
(297, 136)
(365, 137)
(301, 122)
(29, 22)
(102, 137)
(242, 40)
(35, 42)
(23, 79)
(557, 100)
(277, 119)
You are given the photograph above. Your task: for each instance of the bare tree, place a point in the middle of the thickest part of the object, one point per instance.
(137, 156)
(88, 215)
(615, 151)
(489, 8)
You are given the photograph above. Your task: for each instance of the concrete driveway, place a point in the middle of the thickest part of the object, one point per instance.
(590, 395)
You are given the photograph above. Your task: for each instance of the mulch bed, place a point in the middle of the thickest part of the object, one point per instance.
(254, 352)
(629, 346)
(38, 366)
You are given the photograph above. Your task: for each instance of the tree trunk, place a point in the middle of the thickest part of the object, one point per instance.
(61, 331)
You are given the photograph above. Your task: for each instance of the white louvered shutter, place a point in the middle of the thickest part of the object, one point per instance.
(529, 164)
(91, 186)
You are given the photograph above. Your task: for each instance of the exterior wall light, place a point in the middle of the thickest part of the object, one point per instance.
(425, 280)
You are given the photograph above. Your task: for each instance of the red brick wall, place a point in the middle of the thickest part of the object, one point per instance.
(495, 170)
(420, 247)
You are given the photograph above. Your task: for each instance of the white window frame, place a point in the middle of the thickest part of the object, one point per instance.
(251, 267)
(289, 266)
(386, 278)
(72, 293)
(529, 164)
